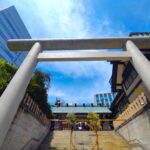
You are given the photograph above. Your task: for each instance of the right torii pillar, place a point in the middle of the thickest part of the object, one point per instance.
(140, 63)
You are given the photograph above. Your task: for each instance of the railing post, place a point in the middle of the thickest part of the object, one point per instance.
(14, 93)
(140, 63)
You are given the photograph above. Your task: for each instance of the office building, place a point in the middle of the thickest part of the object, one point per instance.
(104, 99)
(11, 27)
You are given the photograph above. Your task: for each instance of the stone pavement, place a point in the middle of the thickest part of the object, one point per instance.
(59, 140)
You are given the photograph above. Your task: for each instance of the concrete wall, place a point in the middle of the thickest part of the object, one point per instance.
(137, 131)
(26, 132)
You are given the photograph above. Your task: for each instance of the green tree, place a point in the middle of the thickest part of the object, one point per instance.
(94, 124)
(37, 88)
(71, 121)
(6, 73)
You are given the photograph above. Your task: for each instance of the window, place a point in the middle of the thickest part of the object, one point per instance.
(110, 99)
(134, 74)
(3, 36)
(129, 80)
(102, 100)
(105, 96)
(7, 51)
(11, 26)
(106, 100)
(97, 98)
(6, 29)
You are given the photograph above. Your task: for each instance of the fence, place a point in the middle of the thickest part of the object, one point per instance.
(137, 105)
(29, 105)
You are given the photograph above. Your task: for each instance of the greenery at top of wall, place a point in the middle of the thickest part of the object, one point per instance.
(37, 88)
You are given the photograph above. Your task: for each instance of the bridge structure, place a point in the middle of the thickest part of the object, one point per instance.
(14, 93)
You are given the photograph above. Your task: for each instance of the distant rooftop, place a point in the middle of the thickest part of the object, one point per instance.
(139, 34)
(80, 110)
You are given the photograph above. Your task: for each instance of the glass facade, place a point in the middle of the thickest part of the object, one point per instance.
(11, 27)
(104, 99)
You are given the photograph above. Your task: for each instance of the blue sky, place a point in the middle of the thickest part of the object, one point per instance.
(79, 81)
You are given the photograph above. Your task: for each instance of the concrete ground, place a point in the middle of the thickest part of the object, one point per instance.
(59, 140)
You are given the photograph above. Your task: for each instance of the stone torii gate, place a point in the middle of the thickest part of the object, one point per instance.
(14, 93)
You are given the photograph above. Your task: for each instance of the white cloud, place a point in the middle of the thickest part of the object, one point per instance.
(67, 19)
(80, 69)
(61, 18)
(81, 92)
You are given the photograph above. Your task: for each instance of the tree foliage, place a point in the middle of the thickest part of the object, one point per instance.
(94, 123)
(6, 73)
(94, 120)
(71, 121)
(37, 87)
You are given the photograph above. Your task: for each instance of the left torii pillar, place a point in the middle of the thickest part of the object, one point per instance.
(14, 93)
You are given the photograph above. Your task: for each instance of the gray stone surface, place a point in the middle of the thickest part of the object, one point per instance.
(78, 44)
(25, 130)
(137, 131)
(139, 58)
(15, 90)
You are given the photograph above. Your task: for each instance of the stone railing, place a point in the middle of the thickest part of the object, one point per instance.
(133, 108)
(29, 105)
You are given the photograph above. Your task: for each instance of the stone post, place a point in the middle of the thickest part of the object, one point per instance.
(14, 93)
(140, 63)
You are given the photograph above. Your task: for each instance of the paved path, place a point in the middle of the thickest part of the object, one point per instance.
(59, 140)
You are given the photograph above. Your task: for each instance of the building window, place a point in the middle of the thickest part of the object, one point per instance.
(3, 36)
(133, 74)
(11, 26)
(7, 29)
(97, 98)
(129, 80)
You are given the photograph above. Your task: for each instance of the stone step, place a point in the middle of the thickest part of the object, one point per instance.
(59, 140)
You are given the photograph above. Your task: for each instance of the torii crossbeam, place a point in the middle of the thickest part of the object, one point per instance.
(12, 96)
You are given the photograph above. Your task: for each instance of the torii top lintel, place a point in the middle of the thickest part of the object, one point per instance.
(78, 44)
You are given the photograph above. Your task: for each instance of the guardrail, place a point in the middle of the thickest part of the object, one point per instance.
(29, 105)
(138, 104)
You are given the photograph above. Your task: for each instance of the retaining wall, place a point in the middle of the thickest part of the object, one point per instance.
(137, 130)
(26, 132)
(28, 129)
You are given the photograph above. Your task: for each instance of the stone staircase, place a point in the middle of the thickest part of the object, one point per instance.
(59, 140)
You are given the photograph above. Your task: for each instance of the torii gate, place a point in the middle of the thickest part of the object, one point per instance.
(12, 96)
